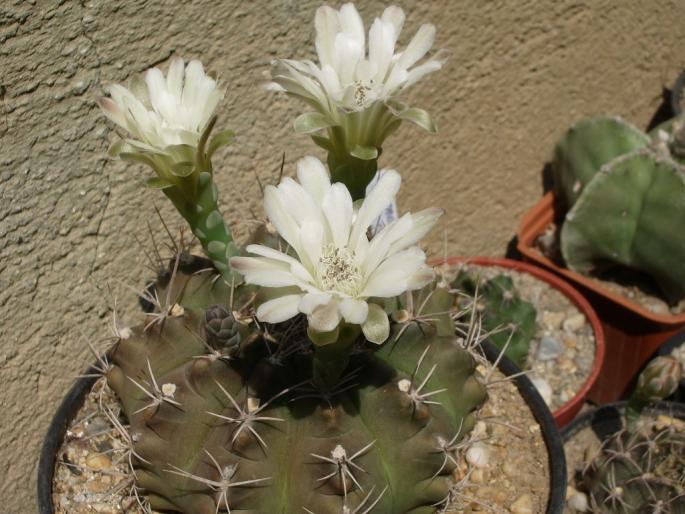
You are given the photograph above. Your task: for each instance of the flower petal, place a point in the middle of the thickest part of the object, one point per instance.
(325, 317)
(380, 245)
(327, 26)
(338, 209)
(312, 243)
(351, 23)
(420, 279)
(174, 79)
(378, 199)
(376, 328)
(422, 222)
(280, 217)
(311, 301)
(395, 16)
(279, 309)
(419, 46)
(354, 311)
(392, 276)
(261, 271)
(313, 176)
(296, 266)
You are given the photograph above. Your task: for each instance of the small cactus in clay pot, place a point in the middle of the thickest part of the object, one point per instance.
(623, 192)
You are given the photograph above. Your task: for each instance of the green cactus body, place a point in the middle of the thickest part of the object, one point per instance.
(247, 431)
(639, 471)
(624, 217)
(511, 319)
(588, 146)
(198, 203)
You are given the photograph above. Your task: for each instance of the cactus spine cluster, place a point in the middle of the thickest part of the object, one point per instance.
(624, 193)
(642, 467)
(510, 320)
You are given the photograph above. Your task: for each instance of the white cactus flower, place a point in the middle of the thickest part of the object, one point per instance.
(162, 112)
(336, 269)
(351, 79)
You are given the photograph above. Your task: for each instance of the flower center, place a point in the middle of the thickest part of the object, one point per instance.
(361, 93)
(338, 271)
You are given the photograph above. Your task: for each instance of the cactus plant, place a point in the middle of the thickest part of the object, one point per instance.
(624, 193)
(249, 431)
(510, 320)
(642, 467)
(276, 382)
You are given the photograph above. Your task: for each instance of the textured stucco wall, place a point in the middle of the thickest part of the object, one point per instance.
(520, 72)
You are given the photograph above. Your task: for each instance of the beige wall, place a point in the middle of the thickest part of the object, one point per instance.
(521, 71)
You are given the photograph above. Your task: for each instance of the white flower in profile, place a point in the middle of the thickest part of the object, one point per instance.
(351, 79)
(335, 269)
(160, 113)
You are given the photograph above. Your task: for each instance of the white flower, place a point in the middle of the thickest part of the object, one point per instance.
(347, 76)
(162, 112)
(336, 268)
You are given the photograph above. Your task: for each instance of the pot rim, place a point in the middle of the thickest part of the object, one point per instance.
(75, 398)
(534, 223)
(674, 409)
(564, 414)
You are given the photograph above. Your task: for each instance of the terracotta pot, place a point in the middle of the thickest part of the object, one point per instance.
(568, 411)
(633, 333)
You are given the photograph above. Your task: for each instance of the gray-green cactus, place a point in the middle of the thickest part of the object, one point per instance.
(625, 194)
(234, 423)
(585, 148)
(642, 467)
(509, 318)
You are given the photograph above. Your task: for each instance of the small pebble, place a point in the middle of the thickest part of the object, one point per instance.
(577, 501)
(480, 429)
(522, 505)
(98, 461)
(574, 323)
(553, 320)
(550, 348)
(478, 455)
(509, 469)
(478, 476)
(543, 388)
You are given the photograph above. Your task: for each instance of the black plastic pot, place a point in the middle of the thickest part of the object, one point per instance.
(76, 396)
(66, 412)
(606, 420)
(674, 342)
(678, 94)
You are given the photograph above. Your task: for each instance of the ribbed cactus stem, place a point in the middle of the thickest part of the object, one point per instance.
(355, 173)
(330, 360)
(206, 222)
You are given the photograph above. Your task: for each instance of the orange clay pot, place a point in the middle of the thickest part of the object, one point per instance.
(633, 333)
(564, 414)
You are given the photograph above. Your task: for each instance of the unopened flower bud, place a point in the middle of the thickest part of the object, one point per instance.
(659, 379)
(221, 327)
